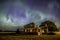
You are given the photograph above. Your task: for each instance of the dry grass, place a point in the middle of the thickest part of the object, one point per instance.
(30, 37)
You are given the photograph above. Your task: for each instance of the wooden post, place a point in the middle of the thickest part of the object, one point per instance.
(39, 32)
(25, 30)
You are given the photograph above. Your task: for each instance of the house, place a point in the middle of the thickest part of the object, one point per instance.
(44, 28)
(32, 27)
(49, 26)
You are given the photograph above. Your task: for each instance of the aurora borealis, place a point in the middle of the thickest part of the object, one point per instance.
(21, 12)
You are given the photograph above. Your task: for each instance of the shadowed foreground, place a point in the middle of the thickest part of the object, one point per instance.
(30, 37)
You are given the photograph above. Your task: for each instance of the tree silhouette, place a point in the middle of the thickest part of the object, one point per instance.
(17, 31)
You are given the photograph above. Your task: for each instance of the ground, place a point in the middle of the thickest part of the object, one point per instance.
(30, 37)
(14, 36)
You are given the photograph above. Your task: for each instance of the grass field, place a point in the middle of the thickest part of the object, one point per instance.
(30, 37)
(14, 36)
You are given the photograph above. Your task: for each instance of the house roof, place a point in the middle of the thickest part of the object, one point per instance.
(30, 25)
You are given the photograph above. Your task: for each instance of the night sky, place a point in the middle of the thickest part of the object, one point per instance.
(15, 13)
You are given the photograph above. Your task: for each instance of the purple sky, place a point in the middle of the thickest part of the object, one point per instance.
(21, 12)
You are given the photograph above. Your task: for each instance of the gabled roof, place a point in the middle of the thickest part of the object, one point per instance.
(30, 25)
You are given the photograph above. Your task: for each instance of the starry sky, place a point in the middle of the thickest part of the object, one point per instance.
(15, 13)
